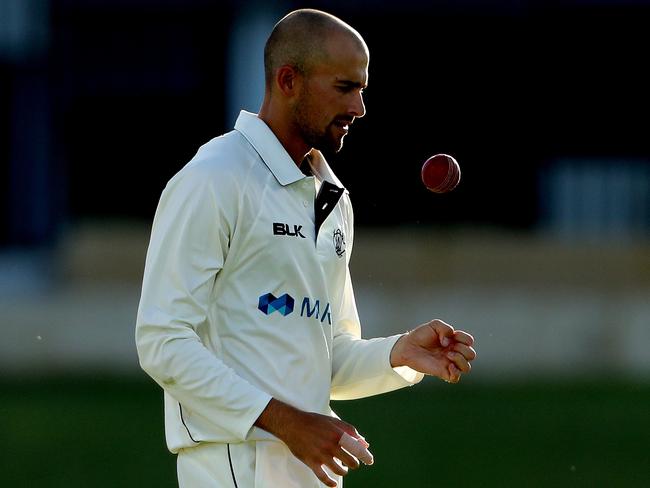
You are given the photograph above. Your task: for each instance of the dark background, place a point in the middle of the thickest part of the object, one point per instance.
(121, 94)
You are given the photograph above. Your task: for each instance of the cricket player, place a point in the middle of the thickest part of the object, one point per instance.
(247, 318)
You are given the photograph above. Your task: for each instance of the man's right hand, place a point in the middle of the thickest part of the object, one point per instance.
(312, 438)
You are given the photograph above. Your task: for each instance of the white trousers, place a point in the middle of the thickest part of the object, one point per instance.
(261, 464)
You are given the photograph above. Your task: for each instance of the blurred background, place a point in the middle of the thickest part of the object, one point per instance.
(542, 252)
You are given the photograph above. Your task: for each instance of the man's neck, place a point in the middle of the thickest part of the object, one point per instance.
(284, 131)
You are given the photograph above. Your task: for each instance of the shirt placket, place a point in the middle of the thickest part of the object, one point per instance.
(307, 195)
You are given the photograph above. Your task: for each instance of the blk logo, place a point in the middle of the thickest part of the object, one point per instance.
(269, 303)
(280, 229)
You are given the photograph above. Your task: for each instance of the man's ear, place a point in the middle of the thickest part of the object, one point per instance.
(288, 80)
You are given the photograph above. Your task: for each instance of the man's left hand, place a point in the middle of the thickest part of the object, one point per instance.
(436, 349)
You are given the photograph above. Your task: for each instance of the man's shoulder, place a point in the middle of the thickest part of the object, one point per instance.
(228, 152)
(224, 158)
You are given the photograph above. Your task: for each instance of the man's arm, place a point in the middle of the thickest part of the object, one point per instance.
(361, 367)
(189, 239)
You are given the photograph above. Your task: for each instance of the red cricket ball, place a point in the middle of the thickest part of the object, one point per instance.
(440, 173)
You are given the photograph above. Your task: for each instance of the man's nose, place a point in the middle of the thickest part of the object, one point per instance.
(358, 108)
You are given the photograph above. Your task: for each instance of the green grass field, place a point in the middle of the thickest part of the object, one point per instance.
(85, 432)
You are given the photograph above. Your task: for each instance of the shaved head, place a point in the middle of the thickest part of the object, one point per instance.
(301, 40)
(316, 69)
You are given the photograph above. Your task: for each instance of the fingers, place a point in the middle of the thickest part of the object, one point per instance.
(356, 448)
(444, 331)
(347, 459)
(457, 349)
(349, 428)
(352, 430)
(336, 468)
(459, 361)
(460, 358)
(468, 352)
(323, 476)
(463, 337)
(349, 448)
(454, 374)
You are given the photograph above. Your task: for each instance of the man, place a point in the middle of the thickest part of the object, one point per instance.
(247, 318)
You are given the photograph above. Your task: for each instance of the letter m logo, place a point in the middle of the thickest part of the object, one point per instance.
(269, 303)
(314, 311)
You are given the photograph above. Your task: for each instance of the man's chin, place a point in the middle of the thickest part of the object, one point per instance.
(333, 145)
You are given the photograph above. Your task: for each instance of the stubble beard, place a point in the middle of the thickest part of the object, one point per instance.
(321, 139)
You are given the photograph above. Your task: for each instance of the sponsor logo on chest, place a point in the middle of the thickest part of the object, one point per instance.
(280, 229)
(310, 308)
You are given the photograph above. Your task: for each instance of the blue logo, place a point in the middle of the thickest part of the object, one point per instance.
(315, 311)
(269, 303)
(310, 308)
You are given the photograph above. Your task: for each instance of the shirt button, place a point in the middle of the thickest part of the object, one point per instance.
(305, 203)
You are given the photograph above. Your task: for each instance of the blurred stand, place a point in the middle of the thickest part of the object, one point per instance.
(538, 306)
(598, 200)
(245, 78)
(33, 183)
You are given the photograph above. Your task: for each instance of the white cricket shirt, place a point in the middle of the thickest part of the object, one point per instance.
(242, 300)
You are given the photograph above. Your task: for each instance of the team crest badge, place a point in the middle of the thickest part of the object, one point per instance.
(339, 242)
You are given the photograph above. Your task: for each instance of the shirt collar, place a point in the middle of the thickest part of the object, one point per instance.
(322, 170)
(268, 147)
(275, 156)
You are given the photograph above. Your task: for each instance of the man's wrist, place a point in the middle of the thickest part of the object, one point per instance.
(275, 417)
(396, 353)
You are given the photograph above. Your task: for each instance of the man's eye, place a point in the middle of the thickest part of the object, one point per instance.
(349, 89)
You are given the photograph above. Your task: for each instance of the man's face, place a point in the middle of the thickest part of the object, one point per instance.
(332, 96)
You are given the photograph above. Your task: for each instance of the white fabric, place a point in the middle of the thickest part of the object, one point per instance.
(201, 333)
(254, 464)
